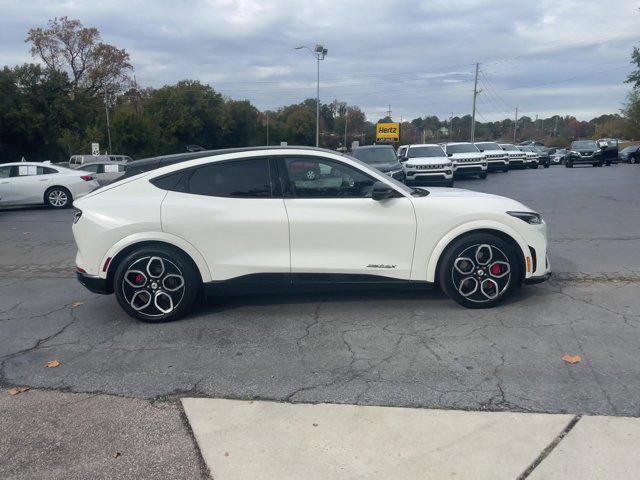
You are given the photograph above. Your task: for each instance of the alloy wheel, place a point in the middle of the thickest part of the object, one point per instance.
(153, 286)
(481, 273)
(58, 198)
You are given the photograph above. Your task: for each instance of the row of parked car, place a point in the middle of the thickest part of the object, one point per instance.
(441, 164)
(57, 185)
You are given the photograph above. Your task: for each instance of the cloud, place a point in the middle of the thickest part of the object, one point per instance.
(416, 56)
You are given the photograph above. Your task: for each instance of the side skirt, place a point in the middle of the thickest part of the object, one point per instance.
(308, 282)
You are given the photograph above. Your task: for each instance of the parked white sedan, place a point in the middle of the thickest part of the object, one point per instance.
(32, 183)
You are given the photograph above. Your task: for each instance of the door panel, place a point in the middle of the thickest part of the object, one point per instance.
(28, 187)
(229, 215)
(342, 229)
(5, 186)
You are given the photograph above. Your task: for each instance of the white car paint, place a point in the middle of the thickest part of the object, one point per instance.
(517, 158)
(34, 179)
(466, 163)
(531, 156)
(426, 169)
(497, 159)
(398, 238)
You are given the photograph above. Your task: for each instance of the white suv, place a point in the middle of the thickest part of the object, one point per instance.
(497, 159)
(238, 219)
(426, 164)
(466, 158)
(517, 158)
(531, 156)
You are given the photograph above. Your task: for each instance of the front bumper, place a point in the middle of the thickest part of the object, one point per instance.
(94, 284)
(428, 178)
(497, 164)
(469, 168)
(538, 279)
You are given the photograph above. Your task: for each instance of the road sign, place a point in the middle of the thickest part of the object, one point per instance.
(387, 132)
(95, 149)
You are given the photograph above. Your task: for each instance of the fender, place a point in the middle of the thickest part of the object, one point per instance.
(164, 237)
(468, 227)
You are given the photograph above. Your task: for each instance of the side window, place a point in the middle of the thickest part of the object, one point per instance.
(45, 171)
(5, 172)
(122, 168)
(236, 178)
(25, 171)
(90, 168)
(311, 177)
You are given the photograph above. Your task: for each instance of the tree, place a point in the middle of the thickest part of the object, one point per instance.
(93, 66)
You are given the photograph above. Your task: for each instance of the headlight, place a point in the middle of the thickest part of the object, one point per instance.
(408, 165)
(529, 217)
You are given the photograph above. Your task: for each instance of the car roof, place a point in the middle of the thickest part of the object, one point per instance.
(424, 145)
(147, 164)
(458, 143)
(372, 147)
(37, 164)
(107, 162)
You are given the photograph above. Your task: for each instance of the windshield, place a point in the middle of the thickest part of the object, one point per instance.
(488, 146)
(584, 144)
(462, 148)
(524, 149)
(430, 151)
(375, 155)
(631, 148)
(510, 148)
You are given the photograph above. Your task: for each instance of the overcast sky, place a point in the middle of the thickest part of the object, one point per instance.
(545, 57)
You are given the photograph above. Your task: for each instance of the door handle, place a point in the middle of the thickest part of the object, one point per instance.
(43, 179)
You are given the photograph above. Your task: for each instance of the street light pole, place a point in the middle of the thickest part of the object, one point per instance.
(319, 52)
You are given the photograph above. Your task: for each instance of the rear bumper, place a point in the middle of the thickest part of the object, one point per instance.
(538, 279)
(94, 284)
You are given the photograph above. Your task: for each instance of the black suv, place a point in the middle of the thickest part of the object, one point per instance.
(381, 157)
(585, 152)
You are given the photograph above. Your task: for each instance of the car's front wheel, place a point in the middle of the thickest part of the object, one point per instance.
(479, 271)
(156, 284)
(58, 197)
(483, 175)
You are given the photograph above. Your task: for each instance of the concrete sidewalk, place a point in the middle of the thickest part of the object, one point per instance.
(268, 440)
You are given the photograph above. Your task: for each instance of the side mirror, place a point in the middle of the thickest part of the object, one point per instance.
(381, 191)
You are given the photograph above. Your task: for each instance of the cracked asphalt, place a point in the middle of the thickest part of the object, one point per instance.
(378, 348)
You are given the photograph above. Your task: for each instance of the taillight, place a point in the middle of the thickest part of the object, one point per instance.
(86, 178)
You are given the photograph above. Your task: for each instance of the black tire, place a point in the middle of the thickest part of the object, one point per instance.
(505, 169)
(483, 175)
(157, 308)
(452, 281)
(449, 184)
(58, 197)
(547, 165)
(533, 166)
(569, 164)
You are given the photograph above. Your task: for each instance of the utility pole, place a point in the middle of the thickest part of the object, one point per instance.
(475, 94)
(267, 128)
(536, 123)
(555, 128)
(346, 119)
(389, 112)
(450, 126)
(515, 126)
(319, 52)
(106, 110)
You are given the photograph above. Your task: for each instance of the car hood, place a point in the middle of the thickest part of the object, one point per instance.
(495, 152)
(473, 200)
(468, 155)
(386, 167)
(428, 161)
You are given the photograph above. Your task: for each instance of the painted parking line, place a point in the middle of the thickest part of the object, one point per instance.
(268, 440)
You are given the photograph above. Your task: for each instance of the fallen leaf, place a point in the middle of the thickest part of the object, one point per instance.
(572, 358)
(52, 364)
(18, 390)
(315, 424)
(116, 454)
(77, 304)
(226, 454)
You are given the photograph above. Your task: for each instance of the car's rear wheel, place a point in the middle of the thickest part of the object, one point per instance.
(156, 284)
(58, 197)
(479, 271)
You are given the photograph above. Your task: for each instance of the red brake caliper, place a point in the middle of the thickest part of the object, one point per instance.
(139, 279)
(495, 269)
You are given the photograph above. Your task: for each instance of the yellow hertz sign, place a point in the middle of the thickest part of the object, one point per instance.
(387, 132)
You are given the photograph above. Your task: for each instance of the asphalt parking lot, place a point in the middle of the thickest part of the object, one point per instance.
(377, 348)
